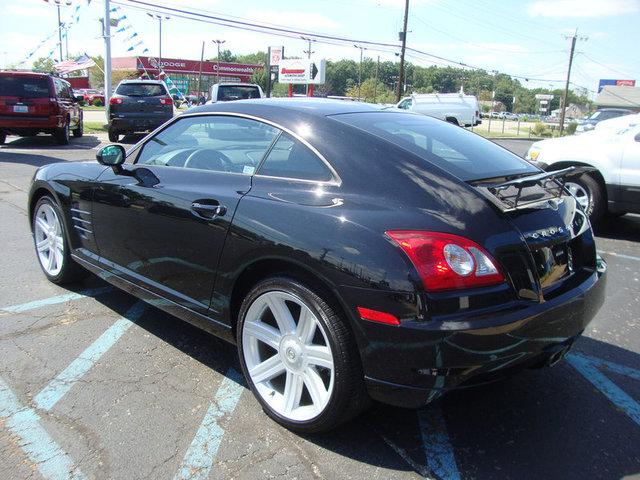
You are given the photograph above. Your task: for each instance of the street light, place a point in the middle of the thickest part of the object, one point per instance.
(60, 24)
(218, 42)
(160, 18)
(360, 68)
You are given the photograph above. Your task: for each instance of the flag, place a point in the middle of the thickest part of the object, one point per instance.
(81, 63)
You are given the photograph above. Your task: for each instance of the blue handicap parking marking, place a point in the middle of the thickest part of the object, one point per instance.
(593, 369)
(199, 458)
(24, 307)
(66, 379)
(438, 451)
(23, 422)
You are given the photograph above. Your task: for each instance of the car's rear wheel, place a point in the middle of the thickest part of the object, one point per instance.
(62, 134)
(51, 245)
(589, 195)
(113, 136)
(79, 130)
(3, 138)
(299, 357)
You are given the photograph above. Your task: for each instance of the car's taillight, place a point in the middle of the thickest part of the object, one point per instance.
(115, 101)
(447, 262)
(166, 101)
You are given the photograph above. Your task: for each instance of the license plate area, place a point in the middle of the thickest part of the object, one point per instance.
(20, 109)
(553, 263)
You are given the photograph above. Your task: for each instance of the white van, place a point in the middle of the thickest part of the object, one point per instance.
(456, 108)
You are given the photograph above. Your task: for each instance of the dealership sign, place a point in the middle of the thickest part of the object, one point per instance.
(276, 55)
(625, 83)
(174, 65)
(302, 71)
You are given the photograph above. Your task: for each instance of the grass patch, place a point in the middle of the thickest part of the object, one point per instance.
(92, 108)
(94, 127)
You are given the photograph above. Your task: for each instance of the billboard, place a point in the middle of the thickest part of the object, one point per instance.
(606, 81)
(302, 71)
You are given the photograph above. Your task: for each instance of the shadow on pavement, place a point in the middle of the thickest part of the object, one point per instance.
(33, 159)
(548, 423)
(626, 227)
(87, 141)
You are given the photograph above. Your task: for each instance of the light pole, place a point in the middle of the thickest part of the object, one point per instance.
(359, 68)
(58, 3)
(160, 18)
(218, 42)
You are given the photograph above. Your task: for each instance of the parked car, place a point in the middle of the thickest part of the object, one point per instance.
(91, 97)
(138, 106)
(510, 116)
(350, 252)
(225, 92)
(455, 108)
(494, 114)
(592, 120)
(613, 151)
(32, 103)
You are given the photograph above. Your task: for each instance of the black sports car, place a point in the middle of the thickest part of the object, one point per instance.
(351, 253)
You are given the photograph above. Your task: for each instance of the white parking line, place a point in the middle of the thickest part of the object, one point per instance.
(620, 255)
(23, 307)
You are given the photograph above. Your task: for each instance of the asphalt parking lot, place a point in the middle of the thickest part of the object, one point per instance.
(94, 384)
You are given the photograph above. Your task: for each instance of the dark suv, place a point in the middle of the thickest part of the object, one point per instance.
(32, 103)
(138, 106)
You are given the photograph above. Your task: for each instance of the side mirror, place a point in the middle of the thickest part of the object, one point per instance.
(112, 156)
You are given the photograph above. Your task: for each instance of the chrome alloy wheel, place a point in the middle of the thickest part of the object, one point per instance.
(288, 355)
(48, 239)
(581, 194)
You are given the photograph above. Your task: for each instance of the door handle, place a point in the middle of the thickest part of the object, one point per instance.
(208, 211)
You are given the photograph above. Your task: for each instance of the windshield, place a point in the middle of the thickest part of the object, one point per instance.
(24, 87)
(463, 154)
(230, 92)
(141, 90)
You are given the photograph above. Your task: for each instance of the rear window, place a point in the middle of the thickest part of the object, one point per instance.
(141, 90)
(231, 92)
(461, 153)
(24, 86)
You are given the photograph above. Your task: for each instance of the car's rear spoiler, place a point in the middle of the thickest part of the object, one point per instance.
(512, 195)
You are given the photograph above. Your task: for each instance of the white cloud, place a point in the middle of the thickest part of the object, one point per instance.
(295, 20)
(582, 8)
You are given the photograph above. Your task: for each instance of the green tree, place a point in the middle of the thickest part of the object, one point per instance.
(225, 56)
(43, 64)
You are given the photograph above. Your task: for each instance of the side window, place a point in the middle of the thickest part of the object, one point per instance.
(289, 158)
(210, 142)
(406, 104)
(58, 86)
(66, 91)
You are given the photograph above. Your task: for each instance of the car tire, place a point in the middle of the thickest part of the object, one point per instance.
(52, 247)
(595, 205)
(62, 135)
(322, 395)
(452, 121)
(113, 136)
(79, 131)
(3, 138)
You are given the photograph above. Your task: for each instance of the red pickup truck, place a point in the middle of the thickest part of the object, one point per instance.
(32, 103)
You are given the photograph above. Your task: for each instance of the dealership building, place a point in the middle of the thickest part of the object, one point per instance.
(185, 73)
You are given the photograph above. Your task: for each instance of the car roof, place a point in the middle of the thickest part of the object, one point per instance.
(32, 74)
(130, 80)
(319, 107)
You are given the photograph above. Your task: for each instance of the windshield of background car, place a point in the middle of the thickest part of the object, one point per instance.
(230, 92)
(141, 90)
(463, 154)
(24, 87)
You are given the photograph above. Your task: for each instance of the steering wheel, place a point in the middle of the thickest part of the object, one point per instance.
(208, 159)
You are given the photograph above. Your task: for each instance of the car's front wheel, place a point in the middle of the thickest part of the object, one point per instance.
(298, 356)
(62, 134)
(3, 138)
(51, 245)
(113, 136)
(79, 130)
(589, 195)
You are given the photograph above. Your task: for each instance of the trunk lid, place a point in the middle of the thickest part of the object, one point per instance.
(24, 96)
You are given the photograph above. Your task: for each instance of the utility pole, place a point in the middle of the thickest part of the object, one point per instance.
(200, 73)
(218, 42)
(308, 52)
(403, 38)
(106, 33)
(360, 69)
(563, 102)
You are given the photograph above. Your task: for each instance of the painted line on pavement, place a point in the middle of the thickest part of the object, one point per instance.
(66, 379)
(198, 460)
(436, 444)
(620, 255)
(23, 422)
(588, 367)
(23, 307)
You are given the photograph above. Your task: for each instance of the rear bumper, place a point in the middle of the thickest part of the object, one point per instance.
(137, 123)
(16, 124)
(415, 363)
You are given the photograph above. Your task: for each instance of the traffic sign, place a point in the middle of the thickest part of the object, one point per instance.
(302, 71)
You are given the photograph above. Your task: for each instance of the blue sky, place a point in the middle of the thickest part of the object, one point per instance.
(522, 37)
